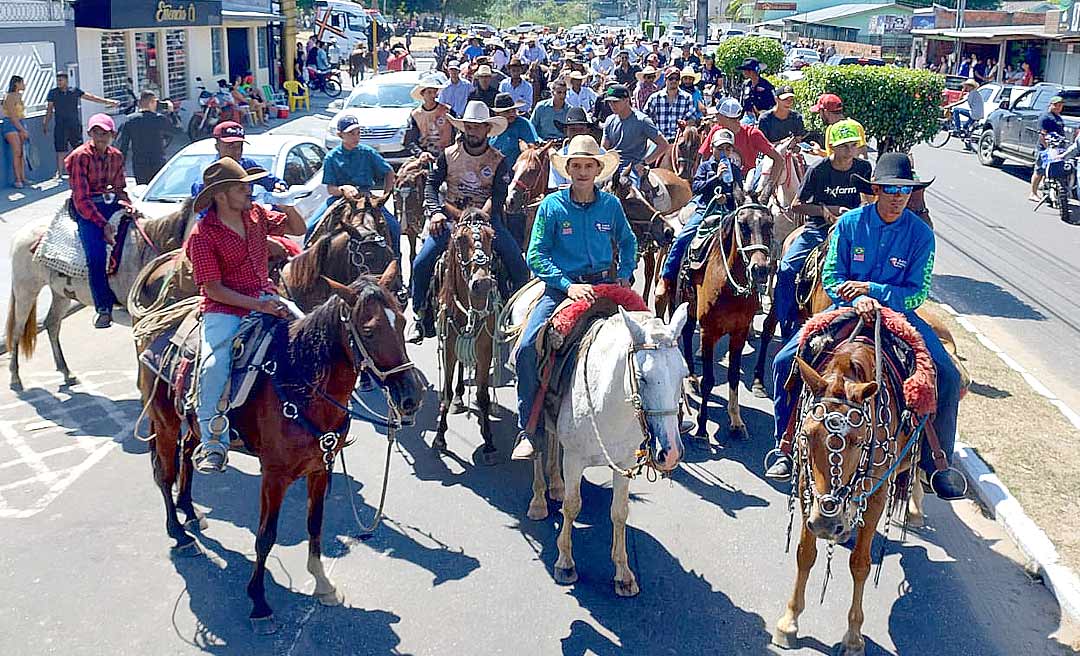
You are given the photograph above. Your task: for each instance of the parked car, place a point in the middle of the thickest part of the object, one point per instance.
(801, 57)
(382, 105)
(1012, 130)
(483, 30)
(844, 60)
(296, 160)
(524, 28)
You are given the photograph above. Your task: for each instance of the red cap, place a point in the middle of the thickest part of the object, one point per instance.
(103, 121)
(229, 132)
(829, 102)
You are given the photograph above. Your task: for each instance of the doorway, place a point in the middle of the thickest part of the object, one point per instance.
(239, 54)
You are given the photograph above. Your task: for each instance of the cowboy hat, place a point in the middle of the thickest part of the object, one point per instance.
(221, 173)
(504, 102)
(893, 169)
(584, 146)
(578, 75)
(429, 83)
(477, 112)
(483, 71)
(690, 72)
(574, 116)
(648, 70)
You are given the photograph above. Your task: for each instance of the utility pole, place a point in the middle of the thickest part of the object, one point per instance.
(288, 37)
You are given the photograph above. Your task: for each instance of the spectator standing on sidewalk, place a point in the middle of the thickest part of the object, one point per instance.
(357, 62)
(63, 102)
(383, 56)
(12, 128)
(144, 138)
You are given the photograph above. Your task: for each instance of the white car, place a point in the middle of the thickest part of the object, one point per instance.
(296, 160)
(799, 57)
(382, 105)
(525, 28)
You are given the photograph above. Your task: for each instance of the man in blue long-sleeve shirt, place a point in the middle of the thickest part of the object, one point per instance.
(574, 238)
(882, 255)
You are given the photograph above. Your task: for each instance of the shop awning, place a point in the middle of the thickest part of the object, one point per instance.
(250, 16)
(995, 33)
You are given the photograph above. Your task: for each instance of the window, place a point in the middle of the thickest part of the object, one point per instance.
(217, 54)
(114, 66)
(260, 37)
(1025, 101)
(147, 65)
(176, 64)
(314, 156)
(297, 171)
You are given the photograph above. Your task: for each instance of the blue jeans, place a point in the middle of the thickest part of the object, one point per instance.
(526, 365)
(423, 268)
(215, 367)
(787, 311)
(957, 112)
(670, 270)
(92, 237)
(948, 390)
(392, 225)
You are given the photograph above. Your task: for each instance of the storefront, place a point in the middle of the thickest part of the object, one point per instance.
(247, 33)
(127, 46)
(1007, 45)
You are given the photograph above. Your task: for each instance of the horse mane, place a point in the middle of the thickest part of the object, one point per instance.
(411, 170)
(169, 231)
(305, 268)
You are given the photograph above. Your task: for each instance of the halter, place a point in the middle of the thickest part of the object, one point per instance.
(475, 318)
(745, 252)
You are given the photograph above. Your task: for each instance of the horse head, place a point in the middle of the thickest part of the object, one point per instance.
(375, 339)
(836, 438)
(647, 221)
(471, 254)
(656, 373)
(530, 175)
(753, 232)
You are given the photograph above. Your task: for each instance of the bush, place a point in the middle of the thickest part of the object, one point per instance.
(731, 52)
(899, 107)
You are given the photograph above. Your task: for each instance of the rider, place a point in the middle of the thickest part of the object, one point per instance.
(518, 131)
(429, 130)
(629, 132)
(350, 171)
(476, 175)
(97, 192)
(831, 108)
(577, 122)
(579, 95)
(670, 106)
(549, 112)
(782, 121)
(758, 92)
(828, 191)
(227, 250)
(975, 109)
(229, 142)
(708, 182)
(571, 249)
(483, 91)
(518, 89)
(882, 255)
(750, 142)
(1050, 122)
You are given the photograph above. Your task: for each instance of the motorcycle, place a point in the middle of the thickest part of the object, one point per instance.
(329, 81)
(202, 122)
(1060, 184)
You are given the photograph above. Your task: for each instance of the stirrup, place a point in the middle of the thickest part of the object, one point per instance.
(206, 449)
(769, 460)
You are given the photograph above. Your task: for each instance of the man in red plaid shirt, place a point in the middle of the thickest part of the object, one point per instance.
(96, 171)
(228, 254)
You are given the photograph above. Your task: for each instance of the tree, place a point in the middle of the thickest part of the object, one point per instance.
(733, 51)
(899, 107)
(545, 12)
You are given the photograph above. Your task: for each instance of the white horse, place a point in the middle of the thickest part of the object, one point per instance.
(28, 277)
(604, 393)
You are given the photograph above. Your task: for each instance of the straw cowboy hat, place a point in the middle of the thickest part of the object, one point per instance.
(648, 70)
(429, 83)
(223, 172)
(690, 72)
(584, 146)
(483, 71)
(476, 112)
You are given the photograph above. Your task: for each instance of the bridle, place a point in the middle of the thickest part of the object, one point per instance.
(361, 357)
(744, 251)
(528, 185)
(475, 317)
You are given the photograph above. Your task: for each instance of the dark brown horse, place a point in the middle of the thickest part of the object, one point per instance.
(725, 292)
(409, 198)
(468, 309)
(360, 327)
(683, 156)
(530, 182)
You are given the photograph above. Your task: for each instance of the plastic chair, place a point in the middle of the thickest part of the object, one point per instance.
(298, 95)
(273, 97)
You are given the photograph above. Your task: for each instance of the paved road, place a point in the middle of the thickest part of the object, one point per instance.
(1013, 269)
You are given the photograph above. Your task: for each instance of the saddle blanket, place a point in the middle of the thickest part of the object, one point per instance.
(61, 250)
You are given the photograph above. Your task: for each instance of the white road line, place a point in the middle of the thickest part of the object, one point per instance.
(44, 454)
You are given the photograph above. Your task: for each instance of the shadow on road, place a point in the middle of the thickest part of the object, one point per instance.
(978, 297)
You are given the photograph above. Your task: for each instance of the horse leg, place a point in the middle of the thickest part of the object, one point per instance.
(538, 508)
(483, 398)
(57, 311)
(193, 519)
(736, 427)
(556, 488)
(767, 330)
(21, 333)
(650, 272)
(786, 633)
(859, 564)
(164, 459)
(625, 582)
(916, 518)
(457, 407)
(325, 591)
(273, 492)
(708, 380)
(565, 569)
(449, 363)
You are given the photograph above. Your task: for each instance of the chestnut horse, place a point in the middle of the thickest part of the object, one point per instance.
(409, 198)
(852, 457)
(683, 156)
(360, 327)
(530, 182)
(469, 306)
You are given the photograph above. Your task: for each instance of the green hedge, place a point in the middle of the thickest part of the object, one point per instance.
(899, 107)
(731, 52)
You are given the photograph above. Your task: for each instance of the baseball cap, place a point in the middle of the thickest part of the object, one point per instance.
(348, 123)
(1056, 99)
(829, 102)
(785, 91)
(723, 136)
(842, 132)
(103, 121)
(617, 92)
(730, 108)
(455, 64)
(229, 132)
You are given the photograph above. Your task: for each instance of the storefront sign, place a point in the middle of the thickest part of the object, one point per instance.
(887, 24)
(134, 14)
(1069, 21)
(775, 6)
(923, 22)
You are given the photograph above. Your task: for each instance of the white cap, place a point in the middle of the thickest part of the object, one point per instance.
(730, 108)
(723, 136)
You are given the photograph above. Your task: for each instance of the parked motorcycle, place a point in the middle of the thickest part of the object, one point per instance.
(1060, 184)
(208, 115)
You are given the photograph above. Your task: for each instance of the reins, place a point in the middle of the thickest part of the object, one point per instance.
(742, 251)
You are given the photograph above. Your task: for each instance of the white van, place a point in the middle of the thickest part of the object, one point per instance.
(347, 22)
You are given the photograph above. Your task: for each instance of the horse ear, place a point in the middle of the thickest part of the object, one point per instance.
(344, 291)
(388, 276)
(523, 145)
(860, 392)
(637, 333)
(678, 319)
(811, 377)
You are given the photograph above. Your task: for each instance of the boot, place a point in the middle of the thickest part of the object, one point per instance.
(103, 320)
(949, 484)
(524, 449)
(781, 469)
(210, 457)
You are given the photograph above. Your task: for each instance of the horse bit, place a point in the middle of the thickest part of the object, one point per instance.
(744, 251)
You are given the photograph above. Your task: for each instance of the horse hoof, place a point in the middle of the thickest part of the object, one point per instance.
(458, 407)
(439, 443)
(566, 575)
(263, 625)
(537, 511)
(627, 588)
(738, 433)
(758, 390)
(196, 523)
(332, 598)
(16, 385)
(187, 550)
(785, 639)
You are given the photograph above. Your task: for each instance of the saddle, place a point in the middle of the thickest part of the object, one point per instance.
(61, 250)
(698, 252)
(809, 276)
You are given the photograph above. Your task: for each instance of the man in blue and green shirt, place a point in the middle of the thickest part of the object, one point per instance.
(882, 255)
(574, 238)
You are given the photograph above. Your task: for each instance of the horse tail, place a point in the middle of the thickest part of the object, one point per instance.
(28, 339)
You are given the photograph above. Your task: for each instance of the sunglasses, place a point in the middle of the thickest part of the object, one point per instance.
(892, 190)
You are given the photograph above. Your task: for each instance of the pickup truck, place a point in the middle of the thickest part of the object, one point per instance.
(1011, 131)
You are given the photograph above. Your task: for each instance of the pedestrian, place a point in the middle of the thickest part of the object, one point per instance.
(758, 92)
(144, 138)
(356, 63)
(62, 102)
(383, 56)
(98, 191)
(299, 62)
(12, 128)
(456, 92)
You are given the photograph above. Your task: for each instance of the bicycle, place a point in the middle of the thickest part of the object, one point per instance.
(947, 129)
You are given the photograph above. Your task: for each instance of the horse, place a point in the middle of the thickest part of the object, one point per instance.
(409, 197)
(28, 276)
(683, 156)
(726, 291)
(530, 182)
(631, 355)
(469, 306)
(851, 460)
(359, 327)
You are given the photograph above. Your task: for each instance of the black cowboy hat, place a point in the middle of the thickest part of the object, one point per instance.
(749, 64)
(504, 102)
(575, 116)
(893, 169)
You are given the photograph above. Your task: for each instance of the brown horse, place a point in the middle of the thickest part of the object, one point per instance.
(851, 457)
(726, 292)
(409, 197)
(360, 327)
(469, 305)
(683, 156)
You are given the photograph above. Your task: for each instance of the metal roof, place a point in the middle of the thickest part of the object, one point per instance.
(993, 32)
(832, 13)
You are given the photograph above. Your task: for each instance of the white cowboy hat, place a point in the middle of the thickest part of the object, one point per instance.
(648, 70)
(578, 75)
(477, 112)
(584, 146)
(689, 72)
(429, 83)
